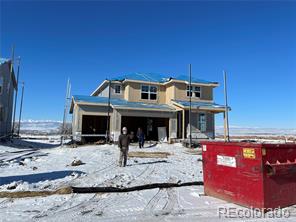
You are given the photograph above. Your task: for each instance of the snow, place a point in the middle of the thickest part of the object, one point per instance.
(53, 167)
(256, 131)
(36, 166)
(40, 126)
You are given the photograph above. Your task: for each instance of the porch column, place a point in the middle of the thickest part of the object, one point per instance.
(225, 126)
(183, 124)
(115, 125)
(173, 126)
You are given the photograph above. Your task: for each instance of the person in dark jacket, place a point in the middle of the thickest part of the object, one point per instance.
(123, 144)
(141, 137)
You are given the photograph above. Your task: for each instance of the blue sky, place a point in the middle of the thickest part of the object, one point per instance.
(91, 41)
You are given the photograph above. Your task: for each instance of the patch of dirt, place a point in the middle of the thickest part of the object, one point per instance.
(149, 154)
(22, 194)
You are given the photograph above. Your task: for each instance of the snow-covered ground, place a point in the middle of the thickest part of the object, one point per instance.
(257, 131)
(50, 168)
(30, 166)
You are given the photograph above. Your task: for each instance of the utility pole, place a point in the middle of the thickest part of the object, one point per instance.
(21, 108)
(190, 94)
(226, 123)
(16, 91)
(108, 118)
(68, 91)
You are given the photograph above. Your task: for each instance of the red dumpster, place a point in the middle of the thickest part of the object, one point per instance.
(255, 175)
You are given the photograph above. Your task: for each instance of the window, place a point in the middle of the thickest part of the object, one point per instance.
(1, 114)
(149, 92)
(1, 84)
(188, 91)
(202, 124)
(153, 92)
(196, 91)
(117, 89)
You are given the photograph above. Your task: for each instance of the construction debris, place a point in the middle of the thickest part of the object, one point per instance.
(149, 154)
(22, 194)
(76, 163)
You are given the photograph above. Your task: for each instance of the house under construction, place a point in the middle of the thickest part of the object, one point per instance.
(158, 104)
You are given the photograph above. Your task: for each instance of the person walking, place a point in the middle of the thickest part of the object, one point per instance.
(123, 144)
(141, 137)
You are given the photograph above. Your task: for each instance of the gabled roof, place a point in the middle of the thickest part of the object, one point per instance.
(118, 103)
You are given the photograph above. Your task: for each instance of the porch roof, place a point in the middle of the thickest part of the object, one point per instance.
(202, 105)
(119, 103)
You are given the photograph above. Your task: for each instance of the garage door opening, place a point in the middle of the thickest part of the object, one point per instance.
(148, 124)
(92, 125)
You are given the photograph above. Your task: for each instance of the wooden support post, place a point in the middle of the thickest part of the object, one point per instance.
(226, 126)
(21, 109)
(108, 115)
(183, 124)
(224, 118)
(15, 97)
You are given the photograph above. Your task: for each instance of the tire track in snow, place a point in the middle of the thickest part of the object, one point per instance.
(143, 174)
(91, 175)
(61, 208)
(4, 202)
(152, 203)
(171, 201)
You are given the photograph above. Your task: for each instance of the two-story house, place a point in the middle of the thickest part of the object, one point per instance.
(7, 87)
(149, 101)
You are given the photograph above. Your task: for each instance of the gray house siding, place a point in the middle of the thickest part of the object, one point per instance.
(6, 99)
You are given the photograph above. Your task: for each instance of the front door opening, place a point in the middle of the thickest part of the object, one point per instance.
(148, 124)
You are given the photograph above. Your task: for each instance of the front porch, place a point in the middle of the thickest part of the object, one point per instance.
(202, 119)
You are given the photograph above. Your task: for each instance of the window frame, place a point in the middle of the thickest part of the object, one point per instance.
(205, 122)
(193, 91)
(197, 91)
(120, 89)
(149, 92)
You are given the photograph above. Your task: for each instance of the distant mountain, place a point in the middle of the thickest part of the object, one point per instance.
(40, 127)
(252, 131)
(53, 127)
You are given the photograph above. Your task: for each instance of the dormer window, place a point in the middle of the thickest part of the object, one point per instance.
(148, 92)
(117, 89)
(195, 91)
